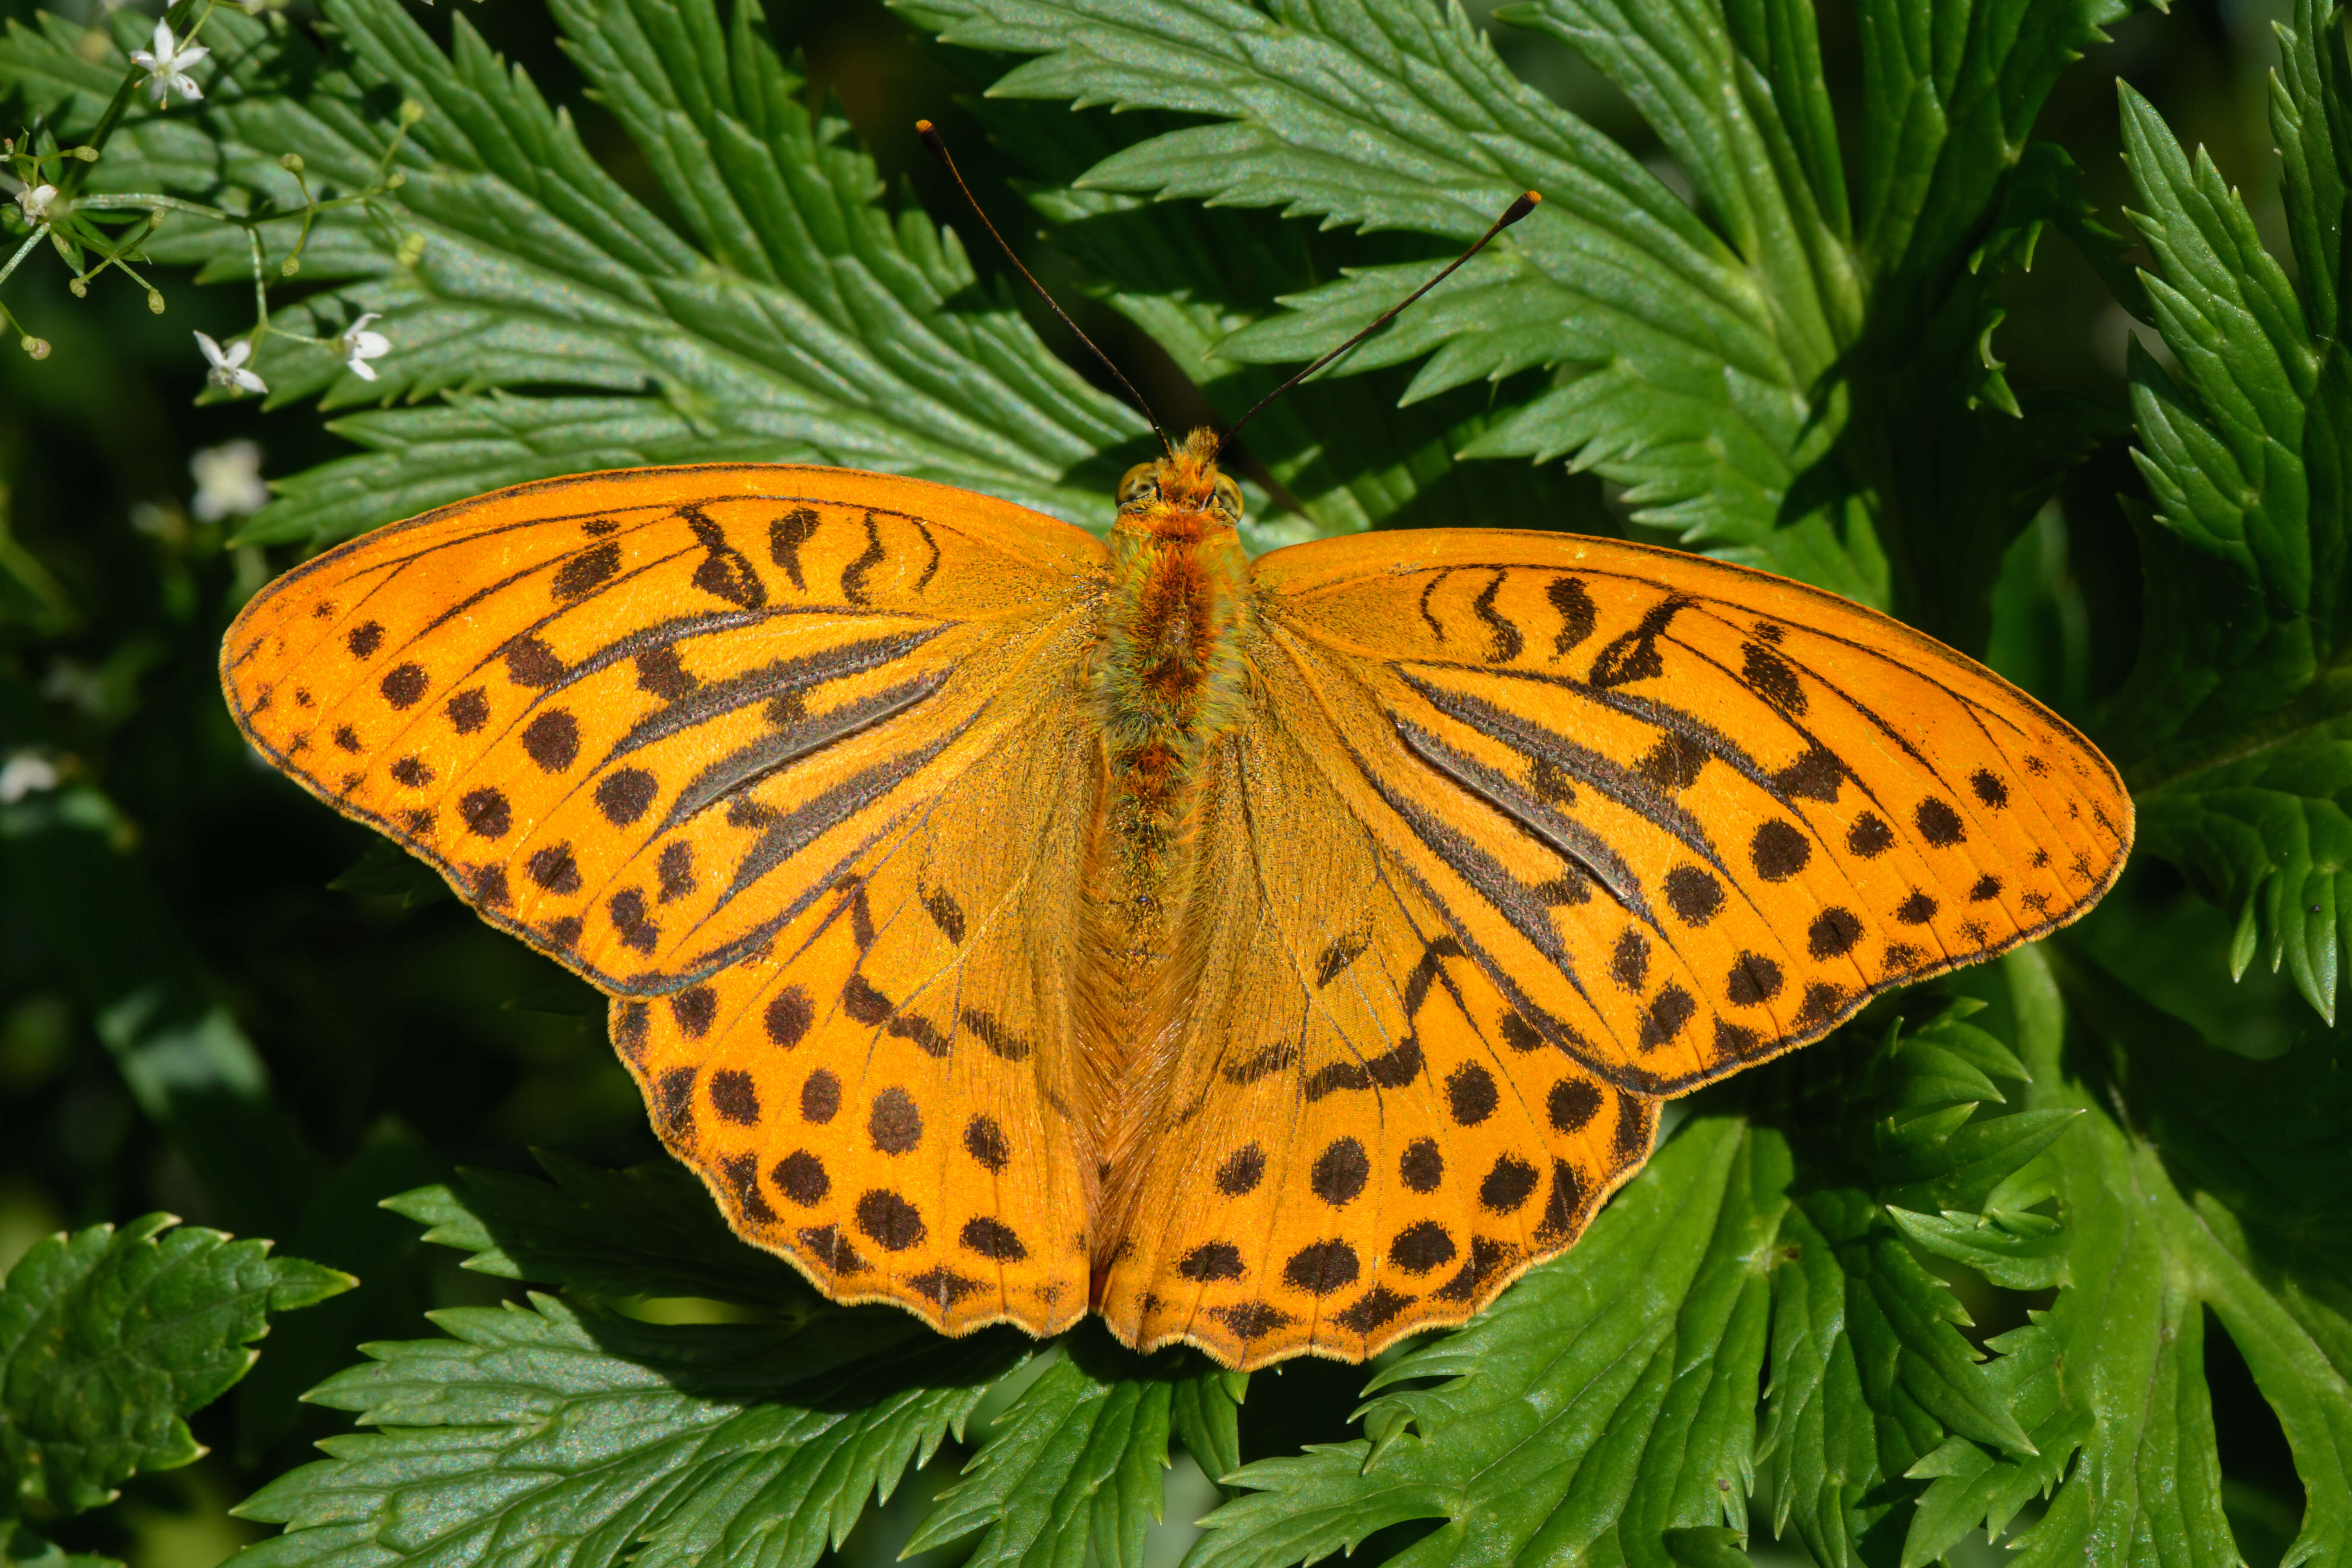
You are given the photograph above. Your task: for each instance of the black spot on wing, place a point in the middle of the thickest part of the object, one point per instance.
(1772, 678)
(1577, 612)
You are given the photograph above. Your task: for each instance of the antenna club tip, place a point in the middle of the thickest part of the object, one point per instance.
(1526, 204)
(929, 136)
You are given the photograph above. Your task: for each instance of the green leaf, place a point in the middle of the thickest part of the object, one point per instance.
(561, 1432)
(2271, 837)
(1675, 381)
(1075, 1462)
(2232, 730)
(2251, 1227)
(818, 327)
(20, 1548)
(110, 1338)
(649, 1231)
(1720, 366)
(1974, 1487)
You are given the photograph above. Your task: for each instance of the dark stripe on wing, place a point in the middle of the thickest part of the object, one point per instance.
(1580, 763)
(746, 767)
(796, 829)
(713, 698)
(1570, 839)
(1518, 905)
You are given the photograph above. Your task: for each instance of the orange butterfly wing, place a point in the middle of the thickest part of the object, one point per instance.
(1524, 830)
(1779, 803)
(724, 742)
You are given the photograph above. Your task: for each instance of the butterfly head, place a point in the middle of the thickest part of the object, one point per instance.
(1181, 493)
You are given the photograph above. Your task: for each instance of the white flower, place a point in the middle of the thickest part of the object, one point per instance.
(167, 67)
(228, 369)
(228, 480)
(34, 201)
(357, 345)
(27, 773)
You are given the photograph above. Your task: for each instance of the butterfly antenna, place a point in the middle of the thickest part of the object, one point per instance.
(932, 138)
(1513, 214)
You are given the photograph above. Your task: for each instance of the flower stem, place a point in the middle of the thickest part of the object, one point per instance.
(23, 250)
(177, 17)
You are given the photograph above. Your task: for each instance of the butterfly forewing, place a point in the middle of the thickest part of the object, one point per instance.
(1686, 815)
(786, 759)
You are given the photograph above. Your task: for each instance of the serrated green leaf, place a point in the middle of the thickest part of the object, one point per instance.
(574, 1436)
(2020, 1255)
(1731, 380)
(20, 1548)
(1972, 1486)
(1206, 1415)
(2151, 1258)
(833, 332)
(1074, 1465)
(2271, 834)
(2231, 728)
(1707, 1546)
(650, 1231)
(1683, 389)
(110, 1338)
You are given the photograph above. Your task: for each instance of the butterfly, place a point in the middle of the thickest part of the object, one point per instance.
(1274, 955)
(1277, 956)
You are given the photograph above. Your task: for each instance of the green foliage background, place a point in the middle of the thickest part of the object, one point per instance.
(2059, 1248)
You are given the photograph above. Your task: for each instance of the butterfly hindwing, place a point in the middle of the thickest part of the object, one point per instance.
(1363, 1139)
(884, 1092)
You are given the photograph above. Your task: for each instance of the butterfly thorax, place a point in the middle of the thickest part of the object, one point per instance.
(1171, 678)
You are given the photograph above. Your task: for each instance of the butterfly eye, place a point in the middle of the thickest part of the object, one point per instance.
(1141, 484)
(1227, 501)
